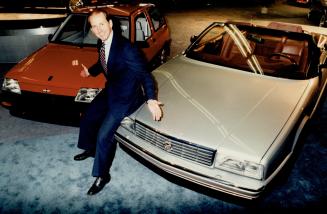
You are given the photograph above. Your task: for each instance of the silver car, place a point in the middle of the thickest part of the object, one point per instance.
(235, 104)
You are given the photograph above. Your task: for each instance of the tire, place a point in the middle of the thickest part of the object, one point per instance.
(163, 55)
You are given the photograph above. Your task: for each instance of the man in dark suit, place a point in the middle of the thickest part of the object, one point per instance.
(128, 85)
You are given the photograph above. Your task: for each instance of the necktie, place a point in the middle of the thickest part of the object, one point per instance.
(103, 57)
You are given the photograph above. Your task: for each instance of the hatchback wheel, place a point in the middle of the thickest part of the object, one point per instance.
(163, 56)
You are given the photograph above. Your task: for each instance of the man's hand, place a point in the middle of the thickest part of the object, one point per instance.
(84, 72)
(154, 107)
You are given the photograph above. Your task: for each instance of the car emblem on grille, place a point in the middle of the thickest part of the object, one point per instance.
(167, 146)
(46, 90)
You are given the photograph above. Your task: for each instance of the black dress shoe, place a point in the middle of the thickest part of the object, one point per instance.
(98, 185)
(84, 155)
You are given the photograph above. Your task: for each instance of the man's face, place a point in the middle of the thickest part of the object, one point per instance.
(100, 26)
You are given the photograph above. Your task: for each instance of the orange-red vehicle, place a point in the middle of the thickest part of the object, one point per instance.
(47, 77)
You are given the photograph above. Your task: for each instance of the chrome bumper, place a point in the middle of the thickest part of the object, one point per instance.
(203, 180)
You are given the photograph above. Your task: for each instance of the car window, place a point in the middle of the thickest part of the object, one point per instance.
(73, 30)
(124, 26)
(142, 28)
(258, 50)
(76, 30)
(217, 46)
(157, 18)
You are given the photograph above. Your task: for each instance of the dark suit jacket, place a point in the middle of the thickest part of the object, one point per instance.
(128, 81)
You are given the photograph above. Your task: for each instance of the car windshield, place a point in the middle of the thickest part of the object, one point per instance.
(256, 49)
(75, 30)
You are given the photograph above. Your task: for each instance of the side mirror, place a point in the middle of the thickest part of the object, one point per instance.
(193, 38)
(322, 66)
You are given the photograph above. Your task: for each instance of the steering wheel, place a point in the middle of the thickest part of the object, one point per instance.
(292, 60)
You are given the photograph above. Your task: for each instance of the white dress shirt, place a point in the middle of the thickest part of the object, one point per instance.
(107, 46)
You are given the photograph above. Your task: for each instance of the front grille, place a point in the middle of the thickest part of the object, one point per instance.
(47, 101)
(183, 149)
(46, 107)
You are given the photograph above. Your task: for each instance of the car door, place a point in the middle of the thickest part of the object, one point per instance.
(160, 33)
(143, 35)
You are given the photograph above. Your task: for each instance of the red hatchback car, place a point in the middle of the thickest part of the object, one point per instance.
(47, 78)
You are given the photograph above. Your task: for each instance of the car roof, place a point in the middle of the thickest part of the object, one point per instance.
(115, 9)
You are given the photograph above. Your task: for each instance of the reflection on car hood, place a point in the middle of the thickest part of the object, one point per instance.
(51, 66)
(222, 108)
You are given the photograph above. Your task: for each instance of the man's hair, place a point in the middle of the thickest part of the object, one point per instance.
(99, 11)
(115, 21)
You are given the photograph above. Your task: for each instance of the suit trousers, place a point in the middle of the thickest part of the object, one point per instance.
(97, 128)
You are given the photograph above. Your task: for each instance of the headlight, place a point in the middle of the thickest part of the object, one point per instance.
(11, 85)
(86, 95)
(128, 124)
(241, 167)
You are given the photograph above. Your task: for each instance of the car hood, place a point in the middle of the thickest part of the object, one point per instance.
(51, 67)
(222, 108)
